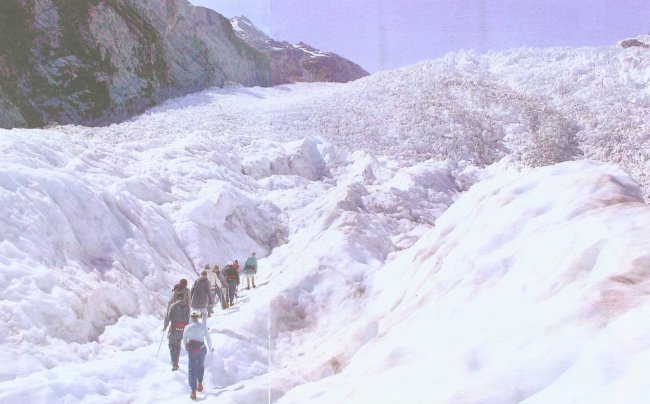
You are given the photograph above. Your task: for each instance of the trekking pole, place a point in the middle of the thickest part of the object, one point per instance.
(161, 340)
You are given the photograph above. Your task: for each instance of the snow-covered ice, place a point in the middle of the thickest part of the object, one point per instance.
(421, 237)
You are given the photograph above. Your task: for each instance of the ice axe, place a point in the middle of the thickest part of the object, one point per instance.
(161, 340)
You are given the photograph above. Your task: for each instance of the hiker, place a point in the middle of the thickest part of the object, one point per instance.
(214, 277)
(178, 315)
(232, 277)
(224, 289)
(250, 270)
(201, 295)
(181, 286)
(194, 338)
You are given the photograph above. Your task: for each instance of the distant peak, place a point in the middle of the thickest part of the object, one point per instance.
(245, 29)
(242, 18)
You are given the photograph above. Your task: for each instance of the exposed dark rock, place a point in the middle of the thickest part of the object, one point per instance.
(630, 43)
(94, 62)
(297, 63)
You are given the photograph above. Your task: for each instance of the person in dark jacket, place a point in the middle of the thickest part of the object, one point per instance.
(178, 316)
(202, 296)
(232, 277)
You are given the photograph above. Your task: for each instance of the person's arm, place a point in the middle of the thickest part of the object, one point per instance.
(166, 319)
(185, 336)
(207, 338)
(169, 306)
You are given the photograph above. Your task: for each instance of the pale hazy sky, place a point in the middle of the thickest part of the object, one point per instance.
(383, 34)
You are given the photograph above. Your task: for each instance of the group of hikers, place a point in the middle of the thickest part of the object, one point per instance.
(186, 306)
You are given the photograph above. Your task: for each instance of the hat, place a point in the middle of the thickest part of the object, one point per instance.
(204, 272)
(195, 313)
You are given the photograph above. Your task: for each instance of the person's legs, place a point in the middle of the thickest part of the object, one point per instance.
(253, 279)
(175, 338)
(225, 297)
(201, 367)
(192, 369)
(231, 292)
(204, 317)
(210, 305)
(218, 294)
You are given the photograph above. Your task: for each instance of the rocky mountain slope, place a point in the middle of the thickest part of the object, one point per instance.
(95, 62)
(297, 63)
(99, 61)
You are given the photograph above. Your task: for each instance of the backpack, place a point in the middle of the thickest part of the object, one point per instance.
(231, 274)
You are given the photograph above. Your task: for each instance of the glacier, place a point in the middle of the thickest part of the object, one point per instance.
(467, 230)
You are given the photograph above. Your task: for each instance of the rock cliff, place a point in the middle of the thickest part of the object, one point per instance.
(93, 62)
(299, 62)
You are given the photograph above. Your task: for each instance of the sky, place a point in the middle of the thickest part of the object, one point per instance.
(380, 34)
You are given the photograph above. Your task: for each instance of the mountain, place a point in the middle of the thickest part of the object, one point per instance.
(96, 62)
(102, 61)
(299, 62)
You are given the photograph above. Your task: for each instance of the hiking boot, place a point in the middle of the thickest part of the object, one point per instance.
(174, 366)
(248, 288)
(200, 387)
(193, 395)
(254, 286)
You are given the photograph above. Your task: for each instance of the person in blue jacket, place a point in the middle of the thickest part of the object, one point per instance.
(250, 270)
(194, 337)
